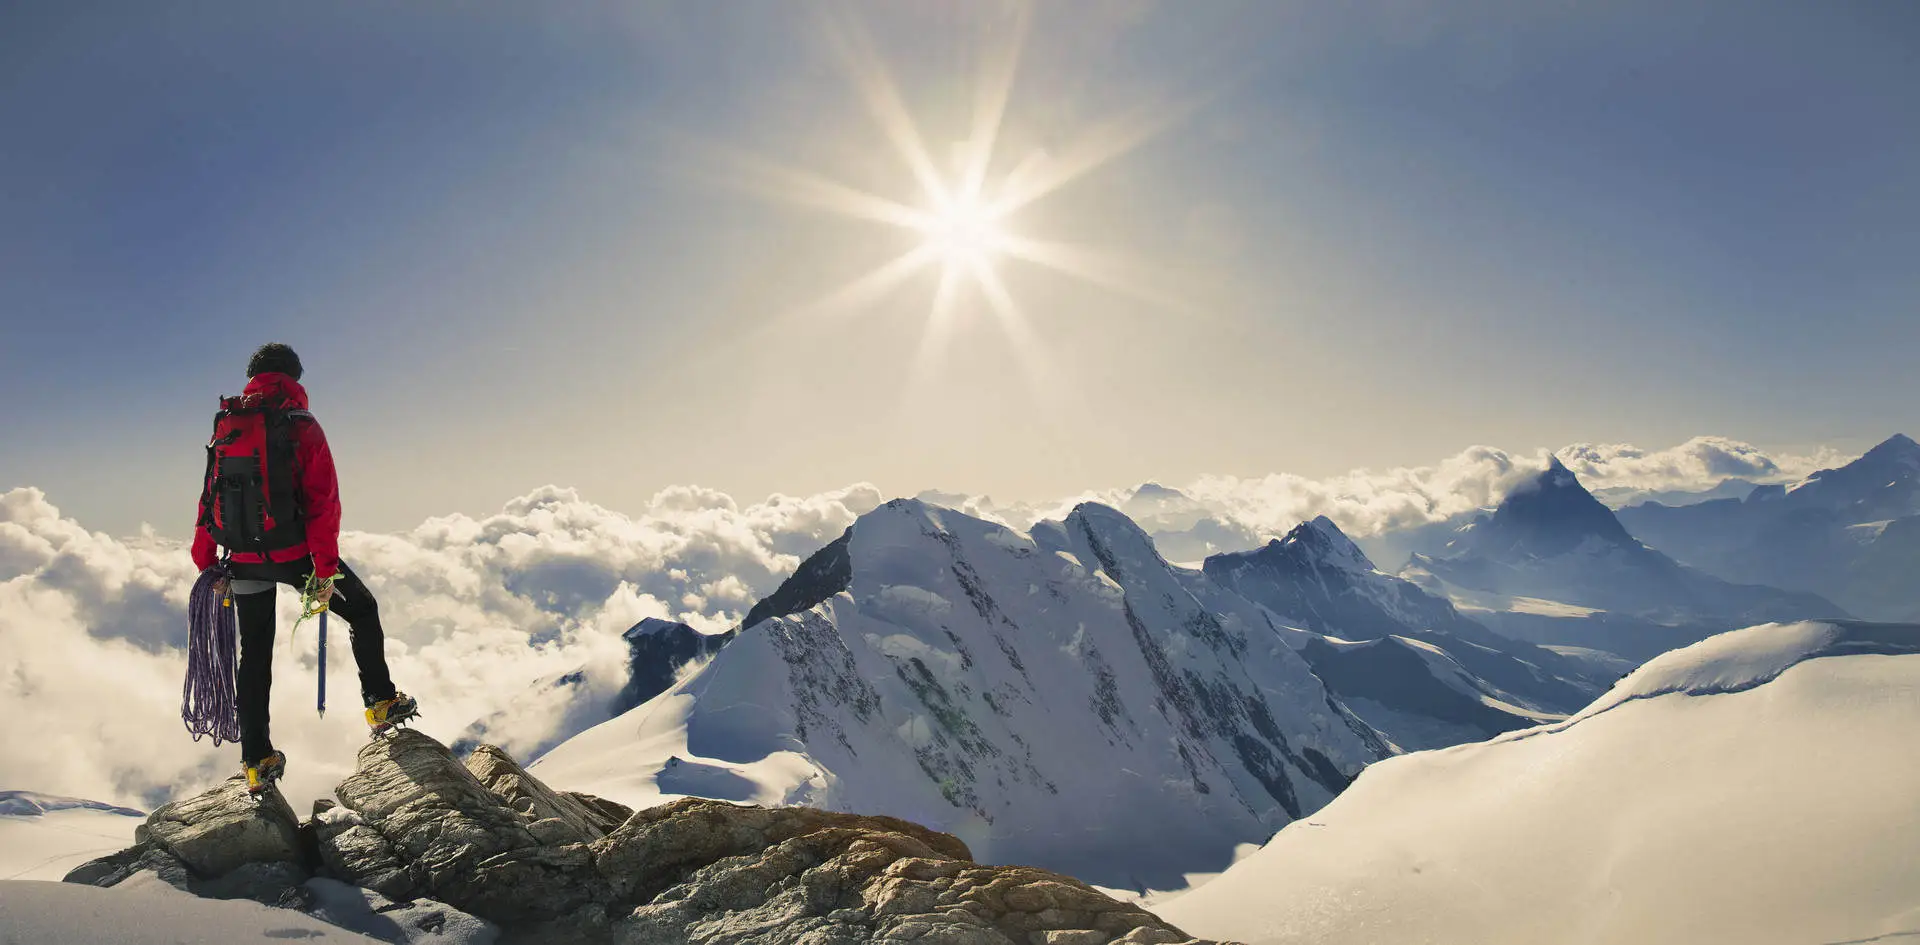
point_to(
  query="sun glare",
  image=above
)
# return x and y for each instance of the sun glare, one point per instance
(963, 215)
(964, 231)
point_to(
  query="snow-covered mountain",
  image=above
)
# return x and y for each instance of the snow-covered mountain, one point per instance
(34, 804)
(1065, 698)
(1756, 788)
(1435, 678)
(1551, 558)
(1851, 533)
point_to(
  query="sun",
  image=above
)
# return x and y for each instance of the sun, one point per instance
(964, 231)
(962, 214)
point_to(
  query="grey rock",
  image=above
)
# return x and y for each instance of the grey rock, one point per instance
(216, 832)
(524, 793)
(1069, 937)
(656, 847)
(1145, 936)
(352, 851)
(275, 883)
(556, 832)
(460, 843)
(117, 868)
(793, 876)
(425, 850)
(607, 815)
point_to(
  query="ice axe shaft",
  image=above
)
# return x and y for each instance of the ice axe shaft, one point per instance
(323, 663)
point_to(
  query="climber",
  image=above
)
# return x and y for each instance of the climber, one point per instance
(270, 499)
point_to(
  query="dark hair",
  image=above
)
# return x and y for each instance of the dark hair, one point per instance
(274, 357)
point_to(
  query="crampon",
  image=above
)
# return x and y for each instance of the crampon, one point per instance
(263, 773)
(383, 715)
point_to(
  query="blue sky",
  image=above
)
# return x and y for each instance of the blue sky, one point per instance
(1374, 234)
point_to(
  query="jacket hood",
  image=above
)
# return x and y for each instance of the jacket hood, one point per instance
(274, 386)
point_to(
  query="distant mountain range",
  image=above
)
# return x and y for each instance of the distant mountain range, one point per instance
(1425, 675)
(1554, 565)
(1028, 691)
(1851, 534)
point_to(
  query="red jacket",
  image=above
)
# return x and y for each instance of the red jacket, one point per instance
(318, 486)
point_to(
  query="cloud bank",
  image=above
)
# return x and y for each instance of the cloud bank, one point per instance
(477, 609)
(93, 629)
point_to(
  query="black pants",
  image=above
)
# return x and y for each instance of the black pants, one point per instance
(351, 602)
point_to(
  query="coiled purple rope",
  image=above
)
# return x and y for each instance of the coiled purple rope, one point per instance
(207, 704)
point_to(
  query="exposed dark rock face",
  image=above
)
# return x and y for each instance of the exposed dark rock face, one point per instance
(657, 651)
(827, 573)
(436, 839)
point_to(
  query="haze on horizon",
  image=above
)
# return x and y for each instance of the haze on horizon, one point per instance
(587, 246)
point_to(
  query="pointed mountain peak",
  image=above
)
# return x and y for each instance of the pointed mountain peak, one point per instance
(1545, 516)
(1558, 476)
(1111, 526)
(1895, 447)
(1323, 541)
(654, 627)
(1895, 461)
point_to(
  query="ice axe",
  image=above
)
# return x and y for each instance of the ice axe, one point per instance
(323, 664)
(312, 606)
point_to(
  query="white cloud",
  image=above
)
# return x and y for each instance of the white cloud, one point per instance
(1699, 463)
(1229, 513)
(92, 627)
(1368, 502)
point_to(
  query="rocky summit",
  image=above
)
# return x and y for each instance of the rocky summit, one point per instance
(432, 848)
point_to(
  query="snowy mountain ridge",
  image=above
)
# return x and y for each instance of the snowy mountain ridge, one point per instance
(1026, 692)
(34, 804)
(1317, 579)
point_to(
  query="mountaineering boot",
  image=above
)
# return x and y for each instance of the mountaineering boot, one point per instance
(265, 771)
(383, 715)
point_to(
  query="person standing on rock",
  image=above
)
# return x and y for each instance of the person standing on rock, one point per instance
(271, 500)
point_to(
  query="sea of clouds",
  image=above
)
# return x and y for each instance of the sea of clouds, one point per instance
(92, 627)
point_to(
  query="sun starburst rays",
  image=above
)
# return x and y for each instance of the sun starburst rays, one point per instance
(964, 215)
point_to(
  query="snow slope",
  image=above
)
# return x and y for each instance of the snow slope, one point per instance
(1065, 698)
(43, 836)
(1758, 787)
(48, 913)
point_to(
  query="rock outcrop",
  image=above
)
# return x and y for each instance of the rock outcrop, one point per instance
(444, 850)
(219, 831)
